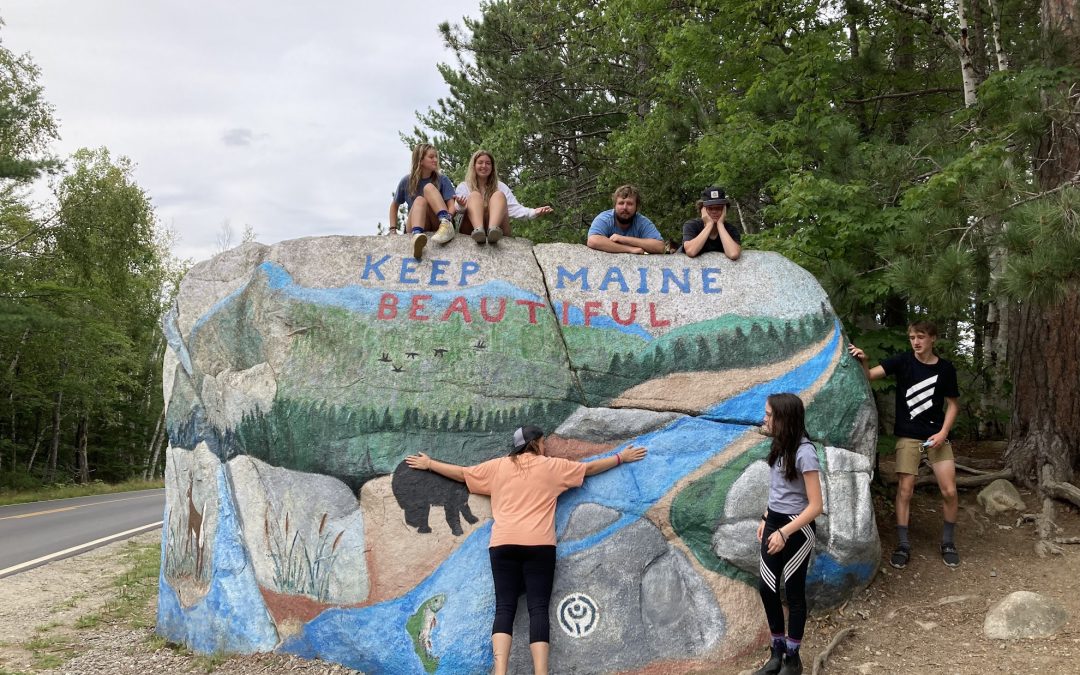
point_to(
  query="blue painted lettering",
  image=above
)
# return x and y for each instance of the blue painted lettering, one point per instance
(468, 268)
(370, 267)
(709, 277)
(562, 275)
(614, 275)
(438, 270)
(670, 278)
(408, 268)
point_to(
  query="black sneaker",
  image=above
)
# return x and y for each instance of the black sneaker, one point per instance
(949, 556)
(900, 557)
(792, 664)
(775, 662)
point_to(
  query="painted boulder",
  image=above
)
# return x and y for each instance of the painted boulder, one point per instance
(300, 375)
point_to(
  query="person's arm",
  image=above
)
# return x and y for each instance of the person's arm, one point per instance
(602, 243)
(514, 209)
(778, 539)
(952, 409)
(647, 245)
(732, 249)
(425, 463)
(692, 246)
(875, 373)
(629, 454)
(393, 217)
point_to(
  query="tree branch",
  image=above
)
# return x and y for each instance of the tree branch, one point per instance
(903, 94)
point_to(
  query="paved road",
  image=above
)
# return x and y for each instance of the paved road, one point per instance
(33, 534)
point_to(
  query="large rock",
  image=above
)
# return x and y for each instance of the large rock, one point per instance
(300, 375)
(1000, 496)
(1024, 614)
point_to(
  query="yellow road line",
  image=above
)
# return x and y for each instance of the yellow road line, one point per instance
(71, 508)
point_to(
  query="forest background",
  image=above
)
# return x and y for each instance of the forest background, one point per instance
(921, 160)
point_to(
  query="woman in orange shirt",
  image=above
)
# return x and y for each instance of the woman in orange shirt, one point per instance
(524, 487)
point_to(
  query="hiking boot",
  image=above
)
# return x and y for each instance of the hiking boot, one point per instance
(949, 556)
(775, 662)
(792, 664)
(419, 241)
(479, 236)
(446, 232)
(900, 557)
(494, 235)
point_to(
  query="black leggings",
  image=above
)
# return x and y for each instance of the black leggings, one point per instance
(791, 563)
(532, 569)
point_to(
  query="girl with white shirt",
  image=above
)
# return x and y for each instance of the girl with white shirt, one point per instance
(489, 203)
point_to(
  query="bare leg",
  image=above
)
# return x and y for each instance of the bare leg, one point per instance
(474, 210)
(434, 199)
(540, 657)
(418, 214)
(500, 647)
(945, 472)
(497, 214)
(905, 487)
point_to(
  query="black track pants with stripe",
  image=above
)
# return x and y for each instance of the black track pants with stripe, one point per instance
(788, 566)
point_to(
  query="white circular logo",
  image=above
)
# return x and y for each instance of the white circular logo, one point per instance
(578, 615)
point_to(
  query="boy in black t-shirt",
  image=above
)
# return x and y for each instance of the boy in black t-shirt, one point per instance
(924, 384)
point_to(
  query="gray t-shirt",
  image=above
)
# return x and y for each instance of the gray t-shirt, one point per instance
(790, 497)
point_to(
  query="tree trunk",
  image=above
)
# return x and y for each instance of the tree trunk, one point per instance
(151, 450)
(1044, 354)
(37, 443)
(54, 447)
(80, 439)
(157, 453)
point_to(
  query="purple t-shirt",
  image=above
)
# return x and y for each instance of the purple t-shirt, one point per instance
(789, 497)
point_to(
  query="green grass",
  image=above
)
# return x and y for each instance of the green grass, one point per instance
(66, 491)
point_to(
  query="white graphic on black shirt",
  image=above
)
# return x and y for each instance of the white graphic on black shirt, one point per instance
(920, 396)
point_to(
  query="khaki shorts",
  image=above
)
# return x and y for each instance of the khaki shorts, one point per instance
(909, 451)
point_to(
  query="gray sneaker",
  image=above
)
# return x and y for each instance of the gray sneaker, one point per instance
(494, 235)
(419, 241)
(446, 232)
(479, 236)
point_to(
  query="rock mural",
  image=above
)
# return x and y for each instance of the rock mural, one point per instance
(300, 375)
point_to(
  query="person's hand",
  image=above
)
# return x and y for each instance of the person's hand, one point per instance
(543, 210)
(705, 217)
(616, 237)
(937, 440)
(856, 353)
(460, 200)
(776, 542)
(760, 529)
(419, 461)
(632, 453)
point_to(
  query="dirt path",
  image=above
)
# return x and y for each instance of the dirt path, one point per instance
(926, 618)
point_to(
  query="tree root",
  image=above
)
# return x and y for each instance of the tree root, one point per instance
(1063, 491)
(819, 662)
(1067, 540)
(962, 481)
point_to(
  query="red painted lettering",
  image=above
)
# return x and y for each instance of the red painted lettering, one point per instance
(496, 318)
(565, 313)
(387, 307)
(458, 305)
(592, 308)
(653, 321)
(531, 304)
(615, 314)
(416, 306)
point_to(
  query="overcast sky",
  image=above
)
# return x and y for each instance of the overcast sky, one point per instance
(282, 115)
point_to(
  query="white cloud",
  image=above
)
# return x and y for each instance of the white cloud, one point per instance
(282, 116)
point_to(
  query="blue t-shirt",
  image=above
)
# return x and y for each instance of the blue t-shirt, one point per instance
(789, 497)
(640, 228)
(446, 189)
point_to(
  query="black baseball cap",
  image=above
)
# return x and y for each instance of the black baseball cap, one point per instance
(713, 196)
(525, 435)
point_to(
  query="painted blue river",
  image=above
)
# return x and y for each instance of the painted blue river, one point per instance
(370, 638)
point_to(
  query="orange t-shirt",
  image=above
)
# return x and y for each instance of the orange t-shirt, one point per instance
(523, 495)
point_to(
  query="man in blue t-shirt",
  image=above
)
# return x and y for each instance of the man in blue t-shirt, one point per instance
(925, 383)
(624, 230)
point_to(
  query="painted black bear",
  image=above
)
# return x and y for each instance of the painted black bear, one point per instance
(417, 491)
